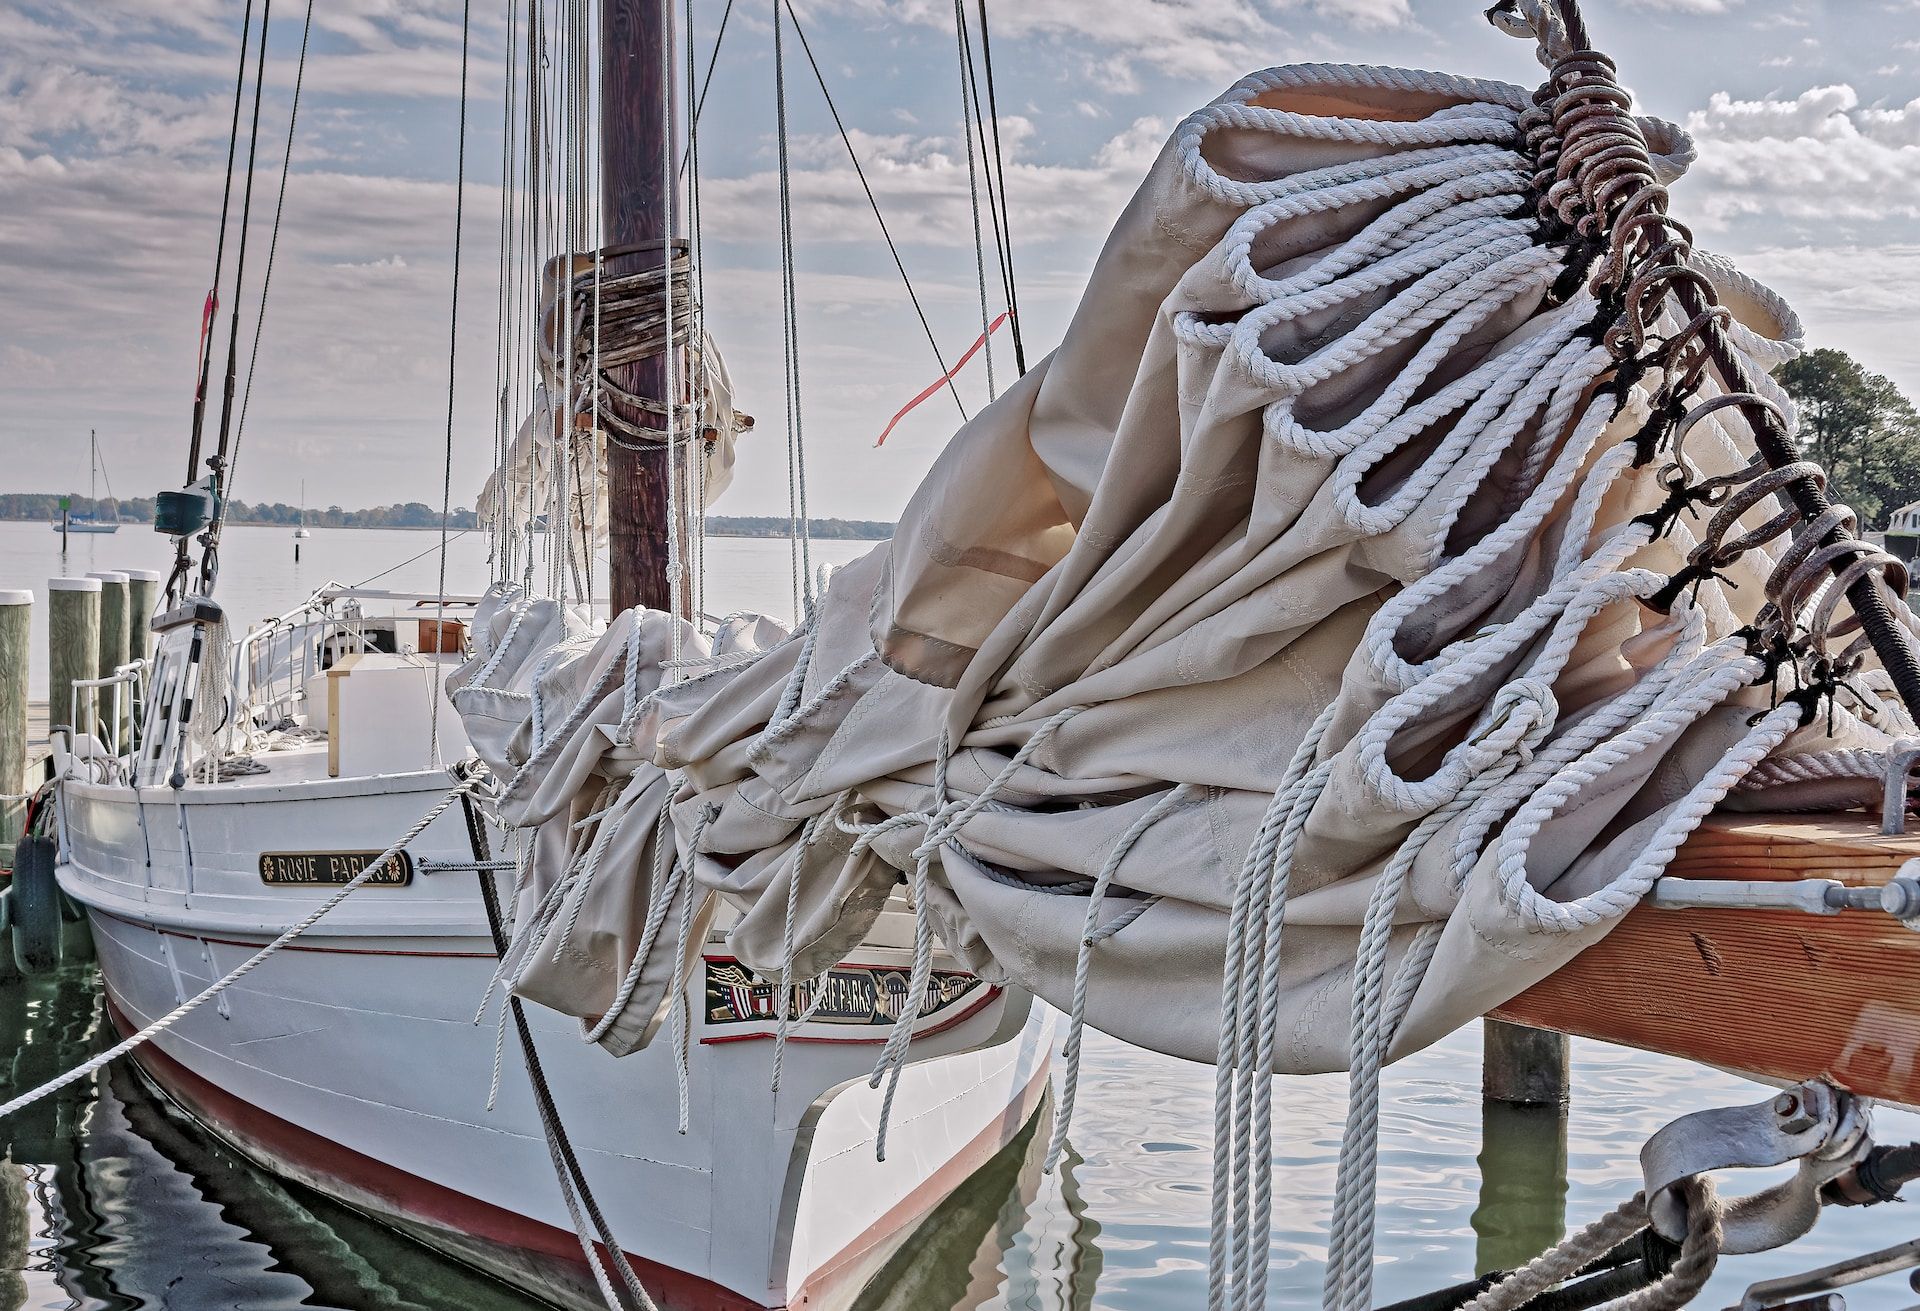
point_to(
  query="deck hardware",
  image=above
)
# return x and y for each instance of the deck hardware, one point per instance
(1813, 1123)
(1900, 895)
(460, 866)
(1813, 896)
(1778, 1294)
(1902, 756)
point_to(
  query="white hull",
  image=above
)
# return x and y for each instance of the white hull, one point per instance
(86, 528)
(351, 1062)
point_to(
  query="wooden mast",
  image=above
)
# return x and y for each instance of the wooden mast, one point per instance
(636, 132)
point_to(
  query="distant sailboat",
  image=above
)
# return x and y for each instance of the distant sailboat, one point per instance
(303, 530)
(91, 522)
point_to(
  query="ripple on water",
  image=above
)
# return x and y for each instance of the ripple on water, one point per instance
(126, 1206)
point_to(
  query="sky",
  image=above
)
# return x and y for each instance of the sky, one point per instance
(114, 120)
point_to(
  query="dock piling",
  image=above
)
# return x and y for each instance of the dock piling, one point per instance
(16, 615)
(113, 650)
(73, 644)
(1524, 1077)
(143, 598)
(1523, 1066)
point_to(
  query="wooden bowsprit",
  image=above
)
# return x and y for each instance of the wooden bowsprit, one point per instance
(1775, 994)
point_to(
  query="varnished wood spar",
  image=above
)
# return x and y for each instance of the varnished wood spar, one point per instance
(636, 123)
(1778, 994)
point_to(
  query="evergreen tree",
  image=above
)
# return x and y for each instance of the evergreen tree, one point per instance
(1860, 428)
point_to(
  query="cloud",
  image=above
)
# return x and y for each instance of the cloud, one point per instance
(1817, 156)
(1122, 37)
(922, 186)
(1688, 6)
(1857, 297)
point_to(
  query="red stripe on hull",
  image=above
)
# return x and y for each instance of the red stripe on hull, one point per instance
(515, 1248)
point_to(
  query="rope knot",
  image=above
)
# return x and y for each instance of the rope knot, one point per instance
(1522, 715)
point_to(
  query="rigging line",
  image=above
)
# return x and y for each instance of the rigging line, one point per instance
(219, 260)
(394, 568)
(994, 215)
(973, 191)
(696, 328)
(500, 545)
(273, 245)
(672, 357)
(874, 204)
(217, 462)
(796, 480)
(453, 342)
(1000, 165)
(182, 561)
(706, 83)
(596, 215)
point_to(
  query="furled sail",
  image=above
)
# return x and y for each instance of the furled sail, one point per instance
(1329, 640)
(553, 473)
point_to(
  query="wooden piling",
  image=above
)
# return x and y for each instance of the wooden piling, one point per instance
(113, 647)
(143, 598)
(1523, 1066)
(73, 644)
(16, 615)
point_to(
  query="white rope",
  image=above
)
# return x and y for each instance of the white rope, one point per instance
(942, 823)
(678, 1014)
(1259, 889)
(246, 967)
(1094, 933)
(1519, 721)
(783, 996)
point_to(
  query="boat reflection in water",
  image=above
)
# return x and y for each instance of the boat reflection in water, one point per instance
(114, 1200)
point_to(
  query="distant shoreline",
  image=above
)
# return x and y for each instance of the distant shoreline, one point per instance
(455, 532)
(413, 516)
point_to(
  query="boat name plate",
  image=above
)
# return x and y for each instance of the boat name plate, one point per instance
(853, 995)
(332, 869)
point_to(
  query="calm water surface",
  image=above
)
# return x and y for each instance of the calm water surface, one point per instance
(114, 1201)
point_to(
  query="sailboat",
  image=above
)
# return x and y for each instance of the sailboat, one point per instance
(90, 521)
(1403, 564)
(737, 1165)
(302, 530)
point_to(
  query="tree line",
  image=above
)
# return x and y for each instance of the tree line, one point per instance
(45, 507)
(1856, 424)
(1858, 427)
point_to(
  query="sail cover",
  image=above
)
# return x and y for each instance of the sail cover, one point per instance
(1319, 634)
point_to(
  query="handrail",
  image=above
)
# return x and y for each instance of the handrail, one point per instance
(317, 609)
(130, 673)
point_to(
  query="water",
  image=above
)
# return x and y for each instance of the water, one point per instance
(115, 1201)
(259, 577)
